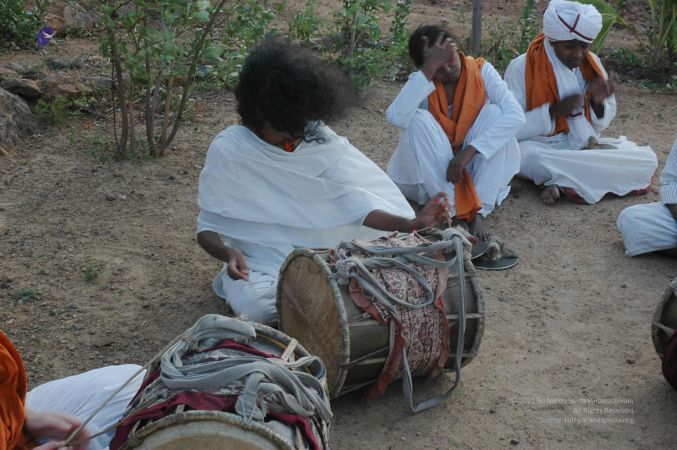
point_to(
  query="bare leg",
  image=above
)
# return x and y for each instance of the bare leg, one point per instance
(479, 229)
(550, 194)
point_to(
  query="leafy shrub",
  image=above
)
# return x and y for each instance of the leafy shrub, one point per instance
(19, 26)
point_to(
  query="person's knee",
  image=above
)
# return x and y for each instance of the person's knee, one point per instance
(629, 220)
(422, 123)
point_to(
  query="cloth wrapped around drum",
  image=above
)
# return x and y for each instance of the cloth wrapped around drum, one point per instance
(399, 306)
(229, 384)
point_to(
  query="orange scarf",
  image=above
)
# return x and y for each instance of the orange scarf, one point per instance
(468, 102)
(12, 396)
(541, 84)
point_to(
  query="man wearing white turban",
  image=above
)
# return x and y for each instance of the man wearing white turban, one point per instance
(569, 98)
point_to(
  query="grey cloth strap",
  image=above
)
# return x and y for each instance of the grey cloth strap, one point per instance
(348, 267)
(265, 383)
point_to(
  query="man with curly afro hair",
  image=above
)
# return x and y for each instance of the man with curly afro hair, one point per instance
(282, 179)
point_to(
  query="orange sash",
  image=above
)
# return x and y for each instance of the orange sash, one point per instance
(468, 102)
(12, 396)
(541, 84)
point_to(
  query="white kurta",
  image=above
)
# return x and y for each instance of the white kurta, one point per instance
(419, 164)
(266, 202)
(80, 395)
(651, 227)
(558, 160)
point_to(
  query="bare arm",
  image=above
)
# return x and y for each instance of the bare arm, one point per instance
(211, 242)
(434, 212)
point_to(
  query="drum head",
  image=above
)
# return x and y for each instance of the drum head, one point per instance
(310, 309)
(206, 430)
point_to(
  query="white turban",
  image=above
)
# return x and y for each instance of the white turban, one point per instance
(565, 21)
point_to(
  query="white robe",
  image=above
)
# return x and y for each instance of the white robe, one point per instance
(419, 164)
(79, 395)
(266, 202)
(651, 227)
(558, 160)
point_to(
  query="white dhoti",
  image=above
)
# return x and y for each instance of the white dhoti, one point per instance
(649, 227)
(80, 395)
(419, 164)
(591, 173)
(254, 299)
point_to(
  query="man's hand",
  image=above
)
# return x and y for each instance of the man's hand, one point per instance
(458, 163)
(566, 106)
(601, 89)
(434, 212)
(237, 265)
(436, 55)
(54, 425)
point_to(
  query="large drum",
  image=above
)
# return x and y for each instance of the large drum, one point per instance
(664, 321)
(317, 310)
(230, 384)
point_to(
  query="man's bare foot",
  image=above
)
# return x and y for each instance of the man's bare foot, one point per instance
(479, 229)
(550, 194)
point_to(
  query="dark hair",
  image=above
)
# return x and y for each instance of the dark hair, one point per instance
(290, 88)
(432, 32)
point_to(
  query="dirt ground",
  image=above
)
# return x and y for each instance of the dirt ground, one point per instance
(566, 358)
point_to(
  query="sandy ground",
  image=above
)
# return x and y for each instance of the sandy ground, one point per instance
(566, 359)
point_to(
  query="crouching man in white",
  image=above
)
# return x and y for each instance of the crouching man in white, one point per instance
(568, 98)
(652, 227)
(284, 180)
(458, 121)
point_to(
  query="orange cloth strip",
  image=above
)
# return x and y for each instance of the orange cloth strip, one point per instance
(541, 84)
(468, 102)
(12, 396)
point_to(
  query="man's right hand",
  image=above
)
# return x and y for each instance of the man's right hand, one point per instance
(565, 107)
(436, 55)
(237, 265)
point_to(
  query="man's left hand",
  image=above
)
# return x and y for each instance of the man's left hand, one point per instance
(458, 164)
(601, 89)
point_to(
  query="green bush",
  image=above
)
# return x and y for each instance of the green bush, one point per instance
(19, 26)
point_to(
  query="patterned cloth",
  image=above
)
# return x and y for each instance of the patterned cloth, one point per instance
(422, 333)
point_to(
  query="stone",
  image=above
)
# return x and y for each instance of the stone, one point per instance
(16, 121)
(98, 84)
(61, 85)
(28, 89)
(76, 16)
(3, 229)
(64, 63)
(7, 73)
(55, 22)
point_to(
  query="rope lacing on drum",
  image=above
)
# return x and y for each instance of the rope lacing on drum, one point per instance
(349, 266)
(266, 383)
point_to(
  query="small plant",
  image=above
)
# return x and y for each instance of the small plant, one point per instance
(248, 22)
(90, 272)
(56, 111)
(27, 295)
(103, 150)
(19, 26)
(306, 25)
(155, 47)
(365, 51)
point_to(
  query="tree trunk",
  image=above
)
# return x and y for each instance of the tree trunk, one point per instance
(476, 36)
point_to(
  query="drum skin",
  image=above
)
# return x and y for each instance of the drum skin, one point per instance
(206, 430)
(665, 318)
(317, 311)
